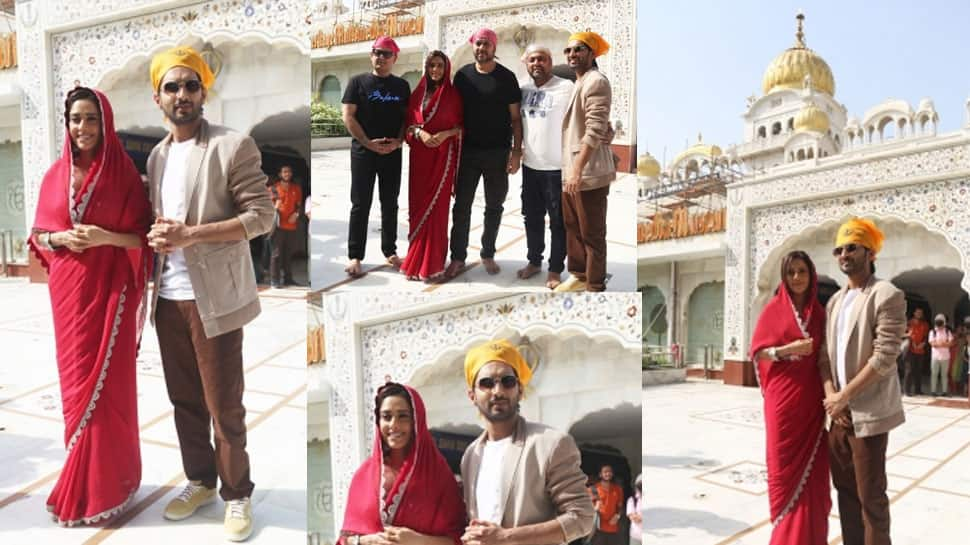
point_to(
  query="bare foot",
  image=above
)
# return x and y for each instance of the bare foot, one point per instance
(353, 269)
(413, 277)
(394, 261)
(435, 278)
(528, 271)
(553, 279)
(491, 267)
(454, 269)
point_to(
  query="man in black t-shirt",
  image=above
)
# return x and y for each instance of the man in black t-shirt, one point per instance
(374, 108)
(491, 97)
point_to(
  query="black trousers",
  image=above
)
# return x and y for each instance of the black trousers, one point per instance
(541, 195)
(363, 170)
(284, 243)
(491, 164)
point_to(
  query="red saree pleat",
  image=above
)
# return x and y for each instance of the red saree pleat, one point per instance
(95, 298)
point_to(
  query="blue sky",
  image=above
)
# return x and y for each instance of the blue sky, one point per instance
(698, 61)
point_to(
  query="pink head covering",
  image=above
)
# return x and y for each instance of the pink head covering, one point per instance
(484, 33)
(386, 42)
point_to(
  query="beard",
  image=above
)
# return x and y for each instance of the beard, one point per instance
(484, 56)
(178, 117)
(511, 412)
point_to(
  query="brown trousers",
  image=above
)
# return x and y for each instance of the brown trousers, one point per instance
(204, 378)
(584, 215)
(859, 475)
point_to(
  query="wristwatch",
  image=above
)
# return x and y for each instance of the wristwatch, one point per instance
(45, 241)
(355, 540)
(773, 353)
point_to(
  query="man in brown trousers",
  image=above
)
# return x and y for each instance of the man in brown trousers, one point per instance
(866, 321)
(588, 167)
(209, 198)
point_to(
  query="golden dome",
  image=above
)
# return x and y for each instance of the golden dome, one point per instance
(810, 118)
(700, 148)
(789, 70)
(648, 167)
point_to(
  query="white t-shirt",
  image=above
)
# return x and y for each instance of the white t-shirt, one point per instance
(543, 109)
(488, 489)
(842, 327)
(175, 282)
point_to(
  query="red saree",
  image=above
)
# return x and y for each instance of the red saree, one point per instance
(797, 449)
(431, 176)
(95, 298)
(424, 497)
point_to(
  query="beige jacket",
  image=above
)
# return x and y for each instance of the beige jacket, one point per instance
(541, 480)
(876, 324)
(223, 180)
(587, 121)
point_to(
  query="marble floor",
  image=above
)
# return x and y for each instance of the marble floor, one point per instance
(705, 481)
(328, 245)
(31, 430)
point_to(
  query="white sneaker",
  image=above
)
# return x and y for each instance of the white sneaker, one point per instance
(192, 497)
(239, 519)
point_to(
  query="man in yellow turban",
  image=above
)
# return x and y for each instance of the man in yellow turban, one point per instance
(209, 193)
(866, 324)
(588, 167)
(523, 482)
(594, 41)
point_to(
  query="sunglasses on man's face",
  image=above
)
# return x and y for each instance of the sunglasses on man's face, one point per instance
(191, 86)
(508, 382)
(577, 48)
(382, 53)
(847, 249)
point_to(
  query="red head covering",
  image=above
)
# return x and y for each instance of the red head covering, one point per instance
(426, 493)
(778, 323)
(112, 196)
(484, 33)
(386, 42)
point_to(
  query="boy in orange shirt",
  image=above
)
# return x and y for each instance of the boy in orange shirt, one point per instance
(608, 501)
(288, 199)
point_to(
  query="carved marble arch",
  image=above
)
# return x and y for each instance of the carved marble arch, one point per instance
(946, 252)
(106, 73)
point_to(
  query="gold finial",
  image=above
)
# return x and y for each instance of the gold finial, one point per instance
(700, 137)
(800, 33)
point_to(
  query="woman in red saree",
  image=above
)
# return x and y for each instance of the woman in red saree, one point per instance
(405, 493)
(434, 136)
(786, 345)
(89, 233)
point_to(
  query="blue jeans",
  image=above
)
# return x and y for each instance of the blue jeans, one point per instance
(541, 195)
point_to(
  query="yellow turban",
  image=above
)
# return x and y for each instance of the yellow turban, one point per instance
(595, 42)
(180, 56)
(860, 231)
(500, 350)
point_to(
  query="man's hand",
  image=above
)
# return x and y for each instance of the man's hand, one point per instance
(842, 419)
(168, 235)
(835, 403)
(515, 159)
(571, 185)
(381, 146)
(481, 532)
(293, 217)
(615, 519)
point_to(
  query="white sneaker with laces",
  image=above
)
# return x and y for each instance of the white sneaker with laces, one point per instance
(239, 519)
(192, 497)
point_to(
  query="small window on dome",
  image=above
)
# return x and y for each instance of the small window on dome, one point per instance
(776, 128)
(761, 132)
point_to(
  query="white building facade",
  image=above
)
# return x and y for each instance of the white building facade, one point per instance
(805, 166)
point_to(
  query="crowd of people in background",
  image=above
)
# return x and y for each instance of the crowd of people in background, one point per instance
(939, 347)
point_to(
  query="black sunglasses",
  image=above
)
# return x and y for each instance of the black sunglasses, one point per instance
(191, 86)
(847, 249)
(382, 53)
(578, 49)
(508, 382)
